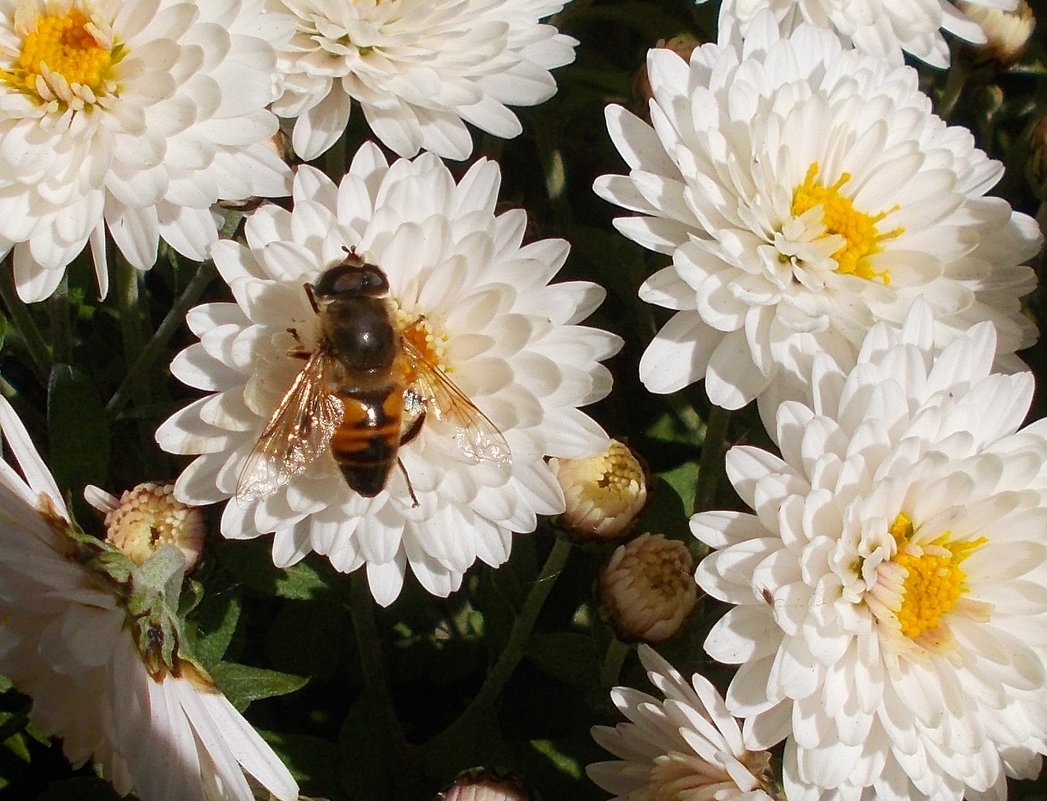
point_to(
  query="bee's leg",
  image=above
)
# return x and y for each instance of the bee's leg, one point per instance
(301, 352)
(312, 300)
(406, 436)
(407, 478)
(412, 430)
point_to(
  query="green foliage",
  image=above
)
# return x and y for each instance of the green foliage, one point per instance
(243, 684)
(78, 429)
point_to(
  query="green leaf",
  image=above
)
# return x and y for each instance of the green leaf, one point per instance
(306, 581)
(672, 498)
(17, 745)
(243, 684)
(251, 563)
(78, 428)
(79, 788)
(214, 624)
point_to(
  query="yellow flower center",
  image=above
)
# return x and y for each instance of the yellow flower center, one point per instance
(418, 332)
(934, 580)
(841, 218)
(66, 57)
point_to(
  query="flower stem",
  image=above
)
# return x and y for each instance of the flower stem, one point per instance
(515, 645)
(710, 466)
(152, 350)
(335, 159)
(955, 82)
(61, 328)
(369, 646)
(613, 660)
(128, 301)
(39, 352)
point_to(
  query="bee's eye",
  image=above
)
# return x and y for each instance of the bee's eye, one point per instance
(352, 278)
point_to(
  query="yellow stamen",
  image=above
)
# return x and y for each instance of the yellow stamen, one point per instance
(68, 46)
(418, 332)
(841, 218)
(934, 580)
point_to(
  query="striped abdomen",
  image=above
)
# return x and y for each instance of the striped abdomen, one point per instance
(366, 443)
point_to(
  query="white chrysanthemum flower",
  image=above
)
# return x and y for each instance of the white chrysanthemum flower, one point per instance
(133, 117)
(884, 28)
(685, 746)
(66, 639)
(476, 302)
(805, 191)
(420, 70)
(889, 587)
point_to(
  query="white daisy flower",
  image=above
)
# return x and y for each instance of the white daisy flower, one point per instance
(804, 192)
(684, 746)
(465, 295)
(420, 70)
(102, 677)
(889, 617)
(133, 117)
(884, 28)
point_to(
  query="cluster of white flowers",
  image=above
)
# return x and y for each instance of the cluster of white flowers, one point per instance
(835, 257)
(123, 122)
(133, 117)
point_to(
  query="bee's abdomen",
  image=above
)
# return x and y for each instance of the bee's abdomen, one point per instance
(366, 443)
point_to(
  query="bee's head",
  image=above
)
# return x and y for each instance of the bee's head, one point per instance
(352, 277)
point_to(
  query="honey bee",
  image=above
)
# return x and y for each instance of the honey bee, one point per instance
(363, 392)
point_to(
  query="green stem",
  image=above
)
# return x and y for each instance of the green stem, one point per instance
(515, 646)
(128, 301)
(157, 344)
(613, 660)
(710, 466)
(369, 646)
(685, 413)
(35, 344)
(335, 160)
(955, 82)
(61, 327)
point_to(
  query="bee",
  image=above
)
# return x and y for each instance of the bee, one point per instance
(364, 391)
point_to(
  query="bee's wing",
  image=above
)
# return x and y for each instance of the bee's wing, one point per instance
(298, 432)
(477, 437)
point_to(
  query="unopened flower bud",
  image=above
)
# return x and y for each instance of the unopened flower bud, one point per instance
(481, 784)
(1036, 165)
(647, 588)
(604, 494)
(146, 518)
(683, 45)
(1007, 32)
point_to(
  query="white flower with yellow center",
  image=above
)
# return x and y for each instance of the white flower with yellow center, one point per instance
(885, 28)
(685, 746)
(889, 617)
(470, 297)
(92, 640)
(132, 117)
(804, 192)
(420, 70)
